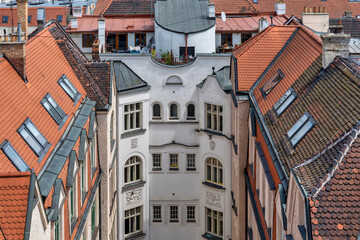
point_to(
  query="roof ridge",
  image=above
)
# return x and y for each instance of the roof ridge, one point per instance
(104, 10)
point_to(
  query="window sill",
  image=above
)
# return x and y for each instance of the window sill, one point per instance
(174, 221)
(156, 169)
(191, 169)
(157, 221)
(130, 186)
(133, 133)
(174, 169)
(191, 221)
(211, 237)
(138, 235)
(213, 185)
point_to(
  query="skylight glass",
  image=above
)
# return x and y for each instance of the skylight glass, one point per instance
(34, 138)
(54, 109)
(69, 88)
(300, 128)
(14, 156)
(272, 82)
(284, 102)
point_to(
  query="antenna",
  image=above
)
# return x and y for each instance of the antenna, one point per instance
(223, 16)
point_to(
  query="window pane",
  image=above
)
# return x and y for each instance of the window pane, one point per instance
(173, 110)
(31, 141)
(191, 110)
(15, 158)
(35, 132)
(297, 125)
(156, 110)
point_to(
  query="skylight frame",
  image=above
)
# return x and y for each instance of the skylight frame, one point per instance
(14, 156)
(300, 129)
(272, 82)
(285, 101)
(34, 138)
(55, 111)
(69, 88)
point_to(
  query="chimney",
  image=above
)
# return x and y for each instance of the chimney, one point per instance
(316, 18)
(73, 22)
(334, 44)
(101, 33)
(41, 18)
(22, 16)
(280, 8)
(263, 23)
(95, 50)
(211, 8)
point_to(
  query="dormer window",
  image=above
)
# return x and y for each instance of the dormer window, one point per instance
(272, 82)
(300, 128)
(284, 102)
(54, 110)
(14, 156)
(69, 88)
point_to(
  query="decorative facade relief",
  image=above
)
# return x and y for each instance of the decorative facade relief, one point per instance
(212, 145)
(134, 143)
(213, 199)
(133, 196)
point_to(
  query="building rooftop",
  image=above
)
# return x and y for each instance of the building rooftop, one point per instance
(234, 7)
(126, 7)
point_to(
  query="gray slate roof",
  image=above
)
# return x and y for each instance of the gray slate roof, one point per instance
(127, 80)
(223, 78)
(183, 16)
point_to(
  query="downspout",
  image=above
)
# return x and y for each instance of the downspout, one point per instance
(186, 43)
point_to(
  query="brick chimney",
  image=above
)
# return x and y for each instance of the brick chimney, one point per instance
(22, 16)
(95, 50)
(280, 7)
(334, 44)
(263, 23)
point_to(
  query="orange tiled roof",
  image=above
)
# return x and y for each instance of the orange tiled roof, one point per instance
(14, 193)
(234, 6)
(100, 6)
(335, 8)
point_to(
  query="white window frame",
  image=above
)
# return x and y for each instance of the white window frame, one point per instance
(192, 213)
(190, 118)
(174, 213)
(60, 221)
(132, 216)
(153, 117)
(157, 213)
(154, 158)
(171, 117)
(174, 162)
(214, 117)
(216, 218)
(74, 194)
(215, 166)
(191, 158)
(131, 168)
(132, 112)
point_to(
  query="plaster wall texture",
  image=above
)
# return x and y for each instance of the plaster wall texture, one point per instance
(316, 21)
(38, 230)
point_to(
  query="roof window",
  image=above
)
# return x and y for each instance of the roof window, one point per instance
(284, 102)
(59, 18)
(54, 110)
(5, 19)
(14, 156)
(69, 88)
(272, 82)
(34, 138)
(300, 128)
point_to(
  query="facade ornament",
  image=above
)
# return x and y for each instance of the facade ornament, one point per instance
(213, 199)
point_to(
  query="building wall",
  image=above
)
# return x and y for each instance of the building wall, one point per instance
(39, 230)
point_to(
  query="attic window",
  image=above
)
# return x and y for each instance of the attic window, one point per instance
(5, 19)
(272, 82)
(284, 102)
(300, 128)
(34, 138)
(174, 80)
(59, 18)
(54, 110)
(69, 88)
(14, 156)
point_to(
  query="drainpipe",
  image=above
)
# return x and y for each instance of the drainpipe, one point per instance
(186, 56)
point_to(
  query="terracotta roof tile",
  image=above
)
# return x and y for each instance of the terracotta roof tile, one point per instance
(14, 192)
(128, 7)
(234, 6)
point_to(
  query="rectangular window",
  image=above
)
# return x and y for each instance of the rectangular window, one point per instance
(34, 138)
(214, 222)
(190, 166)
(272, 82)
(14, 156)
(190, 52)
(300, 128)
(5, 19)
(174, 213)
(88, 40)
(190, 210)
(133, 221)
(92, 157)
(69, 88)
(140, 39)
(156, 162)
(93, 218)
(226, 38)
(284, 102)
(132, 116)
(174, 162)
(29, 18)
(214, 117)
(54, 109)
(245, 37)
(156, 213)
(59, 18)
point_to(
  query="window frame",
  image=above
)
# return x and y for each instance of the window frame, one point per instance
(272, 83)
(137, 222)
(174, 209)
(244, 37)
(59, 18)
(19, 162)
(137, 116)
(171, 116)
(218, 113)
(193, 212)
(218, 168)
(55, 111)
(44, 147)
(300, 127)
(219, 218)
(188, 160)
(69, 88)
(5, 19)
(133, 169)
(188, 117)
(285, 101)
(88, 40)
(153, 111)
(173, 162)
(157, 214)
(226, 40)
(29, 18)
(140, 36)
(157, 168)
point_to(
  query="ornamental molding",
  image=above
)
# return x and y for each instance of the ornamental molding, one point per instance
(213, 199)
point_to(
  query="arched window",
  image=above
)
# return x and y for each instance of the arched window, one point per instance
(132, 170)
(214, 171)
(174, 114)
(190, 112)
(156, 111)
(174, 80)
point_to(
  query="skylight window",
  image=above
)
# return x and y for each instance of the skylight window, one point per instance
(54, 110)
(300, 128)
(69, 88)
(272, 82)
(34, 138)
(284, 102)
(14, 156)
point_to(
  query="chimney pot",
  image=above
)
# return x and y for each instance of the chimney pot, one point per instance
(280, 8)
